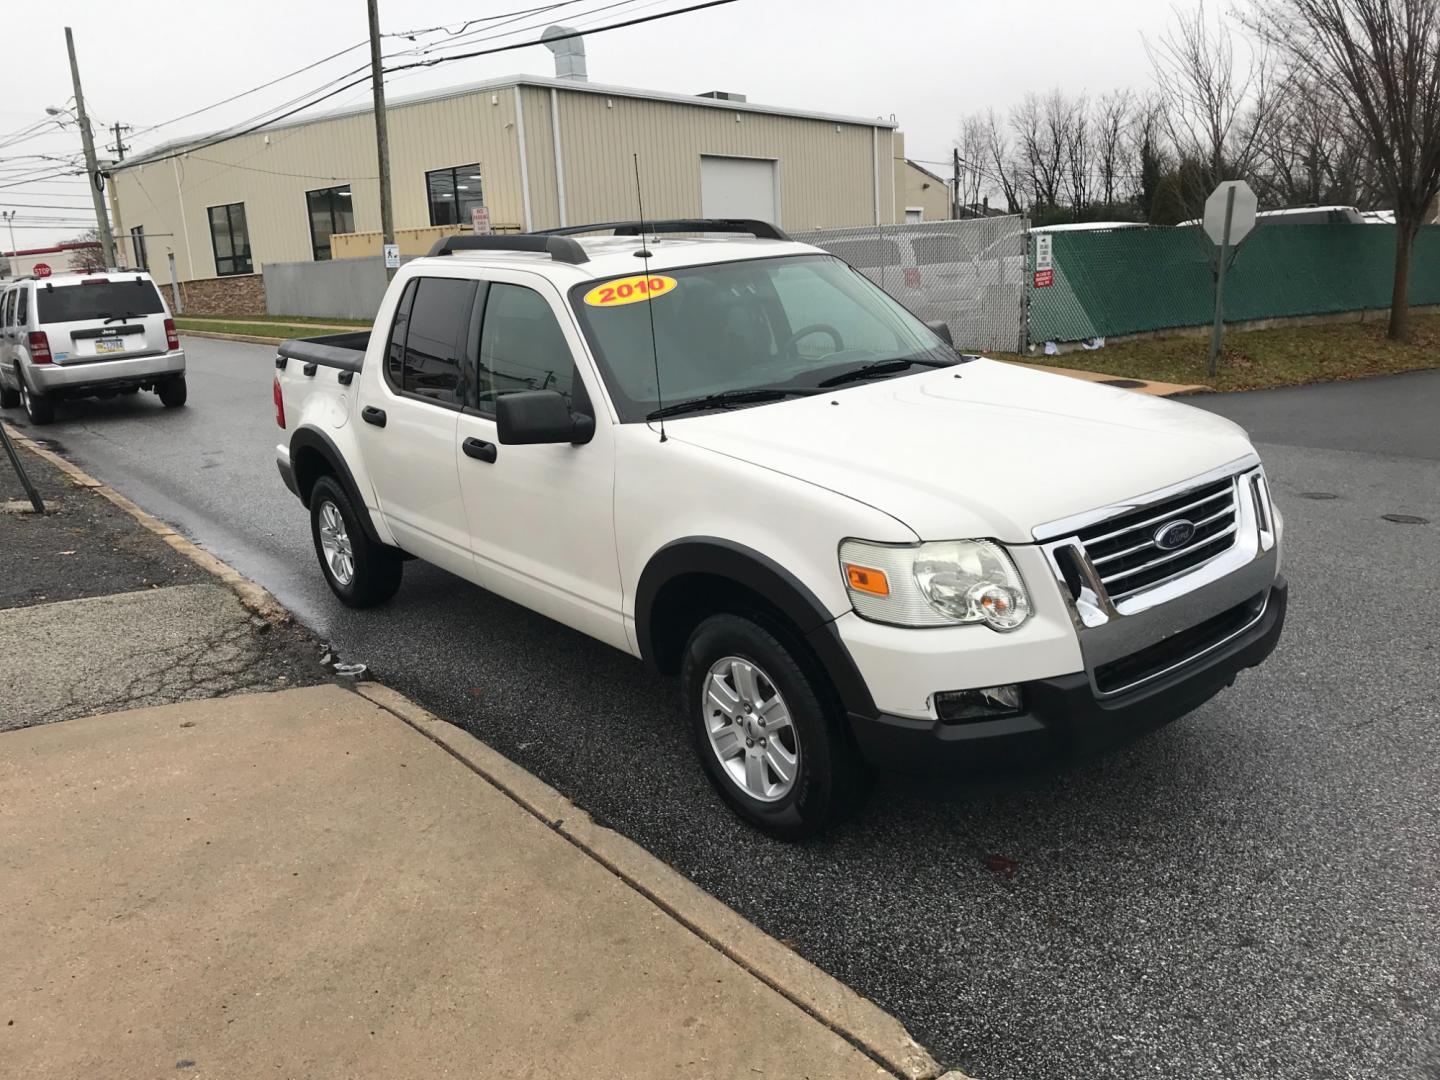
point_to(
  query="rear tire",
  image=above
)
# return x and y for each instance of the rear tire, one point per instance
(359, 571)
(172, 392)
(757, 713)
(9, 399)
(40, 409)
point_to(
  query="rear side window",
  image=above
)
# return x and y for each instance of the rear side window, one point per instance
(22, 311)
(428, 339)
(521, 346)
(98, 300)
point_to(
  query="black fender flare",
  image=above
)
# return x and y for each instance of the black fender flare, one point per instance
(764, 576)
(308, 438)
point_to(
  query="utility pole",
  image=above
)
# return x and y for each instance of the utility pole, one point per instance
(119, 146)
(9, 216)
(92, 167)
(382, 137)
(955, 186)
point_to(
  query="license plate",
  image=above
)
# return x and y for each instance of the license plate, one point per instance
(109, 345)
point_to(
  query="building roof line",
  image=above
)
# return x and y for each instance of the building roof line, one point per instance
(508, 82)
(916, 165)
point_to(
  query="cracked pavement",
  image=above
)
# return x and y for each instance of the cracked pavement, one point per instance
(99, 615)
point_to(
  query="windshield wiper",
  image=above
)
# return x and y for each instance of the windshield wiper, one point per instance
(122, 318)
(724, 400)
(881, 367)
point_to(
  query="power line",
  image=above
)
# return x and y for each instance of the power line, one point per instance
(226, 137)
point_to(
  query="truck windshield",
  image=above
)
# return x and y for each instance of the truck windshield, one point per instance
(798, 323)
(98, 300)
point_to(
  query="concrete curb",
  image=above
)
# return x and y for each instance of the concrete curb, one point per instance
(251, 595)
(856, 1019)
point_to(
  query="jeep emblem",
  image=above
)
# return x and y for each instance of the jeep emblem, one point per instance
(1174, 534)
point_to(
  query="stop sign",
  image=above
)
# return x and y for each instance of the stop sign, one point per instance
(1242, 212)
(42, 269)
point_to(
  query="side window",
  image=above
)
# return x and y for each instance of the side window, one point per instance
(7, 310)
(395, 351)
(22, 309)
(521, 347)
(439, 316)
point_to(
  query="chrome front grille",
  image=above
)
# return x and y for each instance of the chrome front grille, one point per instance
(1153, 544)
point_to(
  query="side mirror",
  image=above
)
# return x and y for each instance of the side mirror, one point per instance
(942, 331)
(527, 417)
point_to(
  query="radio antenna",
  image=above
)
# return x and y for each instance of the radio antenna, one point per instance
(644, 254)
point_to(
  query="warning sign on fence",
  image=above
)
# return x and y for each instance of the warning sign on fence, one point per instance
(1044, 278)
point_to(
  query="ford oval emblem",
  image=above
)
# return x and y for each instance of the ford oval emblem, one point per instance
(1174, 534)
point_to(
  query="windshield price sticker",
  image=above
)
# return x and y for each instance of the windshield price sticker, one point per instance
(629, 290)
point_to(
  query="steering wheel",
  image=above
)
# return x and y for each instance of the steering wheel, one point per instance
(816, 328)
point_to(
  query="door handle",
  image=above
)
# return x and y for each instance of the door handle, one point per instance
(479, 450)
(371, 415)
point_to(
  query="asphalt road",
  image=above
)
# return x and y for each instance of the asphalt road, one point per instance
(1252, 892)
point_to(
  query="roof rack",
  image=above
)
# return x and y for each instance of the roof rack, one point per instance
(557, 247)
(762, 230)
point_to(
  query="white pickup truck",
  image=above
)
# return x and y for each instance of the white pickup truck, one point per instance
(738, 459)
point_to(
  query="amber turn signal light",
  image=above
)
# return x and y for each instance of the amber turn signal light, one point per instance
(864, 579)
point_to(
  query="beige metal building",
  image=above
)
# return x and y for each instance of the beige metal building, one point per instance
(920, 194)
(535, 152)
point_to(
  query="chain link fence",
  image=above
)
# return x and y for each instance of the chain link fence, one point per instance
(1110, 283)
(969, 274)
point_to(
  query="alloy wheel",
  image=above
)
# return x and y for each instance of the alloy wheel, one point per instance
(750, 729)
(335, 543)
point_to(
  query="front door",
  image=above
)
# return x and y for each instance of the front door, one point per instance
(541, 517)
(407, 419)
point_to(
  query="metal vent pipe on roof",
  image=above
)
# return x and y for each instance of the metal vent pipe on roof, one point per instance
(569, 52)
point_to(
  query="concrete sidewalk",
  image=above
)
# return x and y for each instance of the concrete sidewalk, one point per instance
(304, 884)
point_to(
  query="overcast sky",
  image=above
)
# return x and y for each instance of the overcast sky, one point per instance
(928, 62)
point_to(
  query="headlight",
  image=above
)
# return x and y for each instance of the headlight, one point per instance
(936, 584)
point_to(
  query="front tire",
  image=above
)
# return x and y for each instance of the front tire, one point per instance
(359, 571)
(173, 392)
(769, 736)
(40, 409)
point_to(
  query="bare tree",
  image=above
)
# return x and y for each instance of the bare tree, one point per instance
(1006, 172)
(973, 146)
(1381, 60)
(1112, 160)
(1039, 127)
(1217, 103)
(1311, 154)
(1074, 129)
(91, 257)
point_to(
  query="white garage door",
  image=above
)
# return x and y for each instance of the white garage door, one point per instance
(732, 187)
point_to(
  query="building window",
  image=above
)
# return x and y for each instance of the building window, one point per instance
(137, 244)
(330, 212)
(915, 213)
(454, 193)
(230, 239)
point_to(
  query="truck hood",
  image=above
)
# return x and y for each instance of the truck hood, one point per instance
(981, 449)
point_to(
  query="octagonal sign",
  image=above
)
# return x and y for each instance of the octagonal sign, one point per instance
(1242, 218)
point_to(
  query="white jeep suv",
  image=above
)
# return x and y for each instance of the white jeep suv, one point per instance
(86, 334)
(743, 462)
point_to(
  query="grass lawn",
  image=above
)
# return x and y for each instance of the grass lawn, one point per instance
(284, 320)
(277, 330)
(1256, 359)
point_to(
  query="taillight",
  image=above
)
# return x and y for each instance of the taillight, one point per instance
(39, 347)
(279, 404)
(912, 277)
(172, 339)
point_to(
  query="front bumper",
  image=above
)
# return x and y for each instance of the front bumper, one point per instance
(96, 376)
(1065, 713)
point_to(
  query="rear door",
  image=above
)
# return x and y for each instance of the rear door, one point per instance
(91, 319)
(406, 426)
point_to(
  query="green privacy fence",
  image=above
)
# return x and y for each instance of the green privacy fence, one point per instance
(1128, 281)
